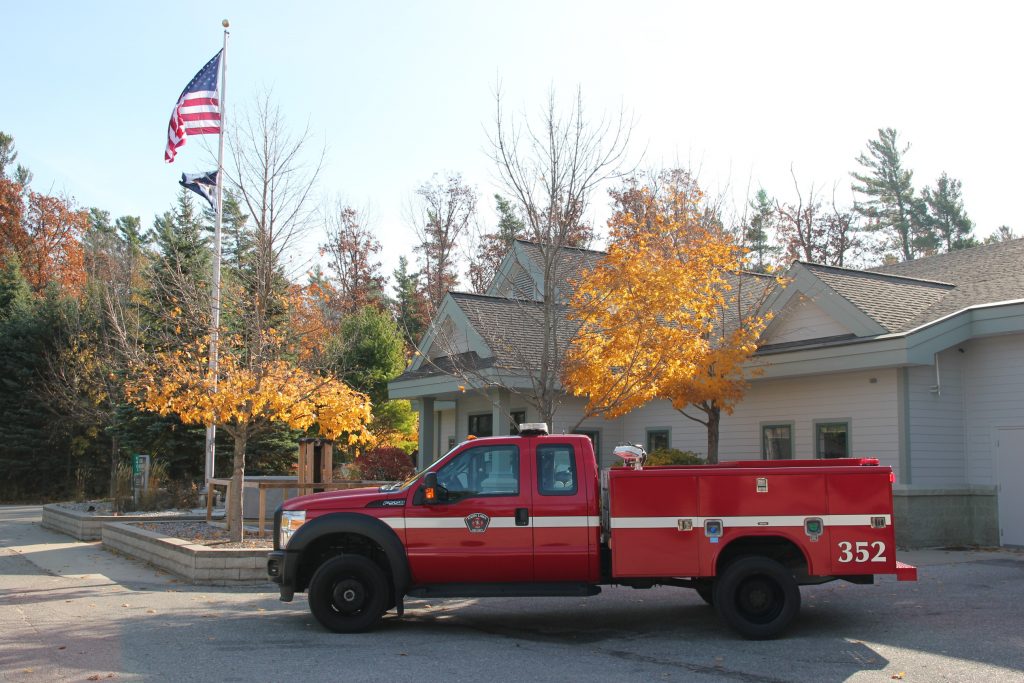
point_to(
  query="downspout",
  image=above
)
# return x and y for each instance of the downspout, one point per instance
(937, 388)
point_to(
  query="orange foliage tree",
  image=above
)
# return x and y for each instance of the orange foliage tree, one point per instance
(244, 399)
(667, 314)
(46, 233)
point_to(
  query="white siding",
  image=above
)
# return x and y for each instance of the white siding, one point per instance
(611, 431)
(445, 430)
(936, 422)
(802, 319)
(870, 407)
(994, 397)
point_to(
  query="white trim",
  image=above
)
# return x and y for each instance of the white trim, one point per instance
(568, 522)
(745, 522)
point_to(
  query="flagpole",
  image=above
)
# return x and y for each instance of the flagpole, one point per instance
(211, 429)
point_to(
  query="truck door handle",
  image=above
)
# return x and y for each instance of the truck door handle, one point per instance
(522, 516)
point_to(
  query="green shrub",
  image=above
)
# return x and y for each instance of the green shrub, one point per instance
(384, 464)
(673, 456)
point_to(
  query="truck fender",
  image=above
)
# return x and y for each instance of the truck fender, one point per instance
(362, 525)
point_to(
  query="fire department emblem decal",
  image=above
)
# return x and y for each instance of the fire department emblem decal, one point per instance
(477, 522)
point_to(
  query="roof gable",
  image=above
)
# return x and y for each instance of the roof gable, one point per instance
(800, 320)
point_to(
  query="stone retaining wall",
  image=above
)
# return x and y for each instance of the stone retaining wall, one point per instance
(197, 564)
(86, 526)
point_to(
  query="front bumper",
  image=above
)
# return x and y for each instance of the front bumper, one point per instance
(282, 568)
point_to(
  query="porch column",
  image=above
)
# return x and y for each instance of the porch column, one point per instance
(500, 408)
(427, 438)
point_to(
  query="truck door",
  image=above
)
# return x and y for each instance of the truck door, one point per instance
(564, 533)
(479, 530)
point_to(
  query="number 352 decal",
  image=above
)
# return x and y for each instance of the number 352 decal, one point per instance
(862, 551)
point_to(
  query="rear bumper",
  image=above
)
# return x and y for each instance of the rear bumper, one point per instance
(905, 572)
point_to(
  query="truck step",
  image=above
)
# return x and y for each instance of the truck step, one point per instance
(505, 590)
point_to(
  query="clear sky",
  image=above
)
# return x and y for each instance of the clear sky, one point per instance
(738, 91)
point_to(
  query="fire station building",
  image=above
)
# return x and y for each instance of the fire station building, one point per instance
(920, 364)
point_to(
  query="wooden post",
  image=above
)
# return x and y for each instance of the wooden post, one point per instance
(326, 459)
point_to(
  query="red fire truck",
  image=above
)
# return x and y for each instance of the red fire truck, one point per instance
(532, 515)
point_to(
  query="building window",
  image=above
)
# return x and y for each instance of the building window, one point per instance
(658, 438)
(832, 439)
(595, 439)
(777, 441)
(518, 418)
(481, 425)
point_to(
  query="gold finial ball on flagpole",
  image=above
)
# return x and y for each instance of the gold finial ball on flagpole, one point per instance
(224, 23)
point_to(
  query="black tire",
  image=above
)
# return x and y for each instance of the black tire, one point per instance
(757, 597)
(706, 591)
(348, 594)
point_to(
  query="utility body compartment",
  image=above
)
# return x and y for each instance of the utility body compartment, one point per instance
(678, 520)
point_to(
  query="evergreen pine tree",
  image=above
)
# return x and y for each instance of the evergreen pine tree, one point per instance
(946, 215)
(410, 305)
(757, 232)
(891, 205)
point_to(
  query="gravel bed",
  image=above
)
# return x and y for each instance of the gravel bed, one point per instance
(209, 535)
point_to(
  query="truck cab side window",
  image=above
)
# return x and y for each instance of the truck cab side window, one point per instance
(481, 471)
(556, 470)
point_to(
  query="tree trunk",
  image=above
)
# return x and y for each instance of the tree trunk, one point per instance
(714, 419)
(237, 479)
(113, 466)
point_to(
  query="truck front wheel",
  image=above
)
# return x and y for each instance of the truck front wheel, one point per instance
(757, 597)
(348, 594)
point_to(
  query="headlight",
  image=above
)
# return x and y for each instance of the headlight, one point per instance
(291, 520)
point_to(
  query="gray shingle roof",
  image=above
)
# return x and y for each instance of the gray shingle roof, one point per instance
(982, 275)
(513, 329)
(571, 261)
(893, 302)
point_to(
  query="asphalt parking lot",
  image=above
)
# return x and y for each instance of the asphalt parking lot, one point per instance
(71, 611)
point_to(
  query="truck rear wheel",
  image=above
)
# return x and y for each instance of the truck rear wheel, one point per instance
(757, 597)
(348, 594)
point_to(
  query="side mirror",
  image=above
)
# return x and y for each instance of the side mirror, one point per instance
(430, 488)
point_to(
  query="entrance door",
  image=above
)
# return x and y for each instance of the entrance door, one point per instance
(480, 528)
(1010, 482)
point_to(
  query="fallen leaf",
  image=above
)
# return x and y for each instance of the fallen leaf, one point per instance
(151, 611)
(63, 647)
(125, 604)
(94, 677)
(26, 671)
(899, 676)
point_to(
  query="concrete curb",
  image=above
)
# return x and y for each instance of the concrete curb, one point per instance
(197, 564)
(86, 526)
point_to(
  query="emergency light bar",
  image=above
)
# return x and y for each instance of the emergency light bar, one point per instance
(533, 429)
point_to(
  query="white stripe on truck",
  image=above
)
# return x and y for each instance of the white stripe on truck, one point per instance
(745, 522)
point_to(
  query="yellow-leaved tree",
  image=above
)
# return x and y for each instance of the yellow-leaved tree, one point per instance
(668, 313)
(247, 397)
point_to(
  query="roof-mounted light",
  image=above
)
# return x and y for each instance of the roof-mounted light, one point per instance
(533, 429)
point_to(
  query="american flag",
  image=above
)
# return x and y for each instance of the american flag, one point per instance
(198, 109)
